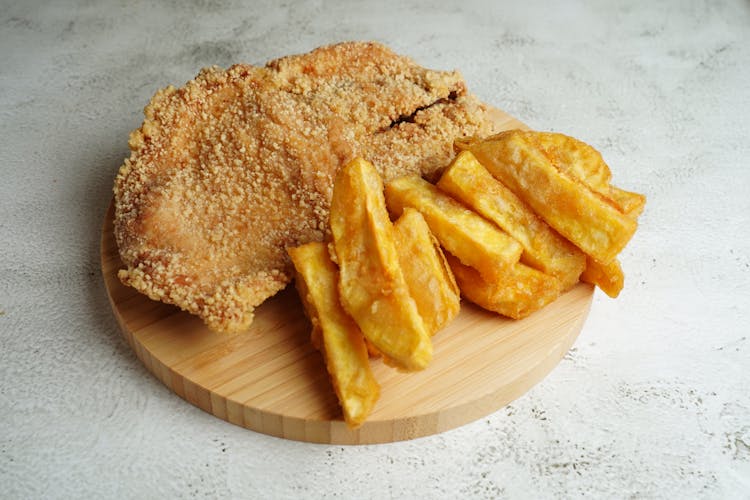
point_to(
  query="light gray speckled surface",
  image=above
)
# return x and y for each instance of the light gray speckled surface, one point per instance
(653, 400)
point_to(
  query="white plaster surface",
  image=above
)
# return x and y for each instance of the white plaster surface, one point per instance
(653, 401)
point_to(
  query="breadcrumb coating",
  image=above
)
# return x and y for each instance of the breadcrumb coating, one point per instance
(229, 170)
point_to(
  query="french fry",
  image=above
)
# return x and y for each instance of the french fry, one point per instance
(426, 271)
(468, 181)
(372, 285)
(338, 337)
(629, 203)
(608, 277)
(569, 206)
(522, 290)
(583, 162)
(474, 240)
(574, 158)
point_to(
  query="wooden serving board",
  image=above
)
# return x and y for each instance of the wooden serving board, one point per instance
(273, 381)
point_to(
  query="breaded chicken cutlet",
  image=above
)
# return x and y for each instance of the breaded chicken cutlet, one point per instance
(238, 164)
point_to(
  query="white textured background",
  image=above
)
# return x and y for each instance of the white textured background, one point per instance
(653, 400)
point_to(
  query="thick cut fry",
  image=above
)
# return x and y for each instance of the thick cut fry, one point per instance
(468, 181)
(522, 290)
(426, 271)
(569, 206)
(608, 277)
(372, 286)
(574, 158)
(629, 203)
(474, 240)
(583, 162)
(338, 337)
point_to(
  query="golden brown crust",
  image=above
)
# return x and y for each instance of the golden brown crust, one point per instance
(238, 164)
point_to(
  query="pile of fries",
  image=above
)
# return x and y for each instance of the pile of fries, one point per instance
(516, 220)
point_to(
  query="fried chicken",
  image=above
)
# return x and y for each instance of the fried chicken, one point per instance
(229, 170)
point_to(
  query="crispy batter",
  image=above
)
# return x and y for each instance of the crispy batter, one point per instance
(230, 169)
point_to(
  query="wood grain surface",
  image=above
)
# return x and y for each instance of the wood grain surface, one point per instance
(271, 380)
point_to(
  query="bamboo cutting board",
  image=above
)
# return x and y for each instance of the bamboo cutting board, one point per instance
(271, 380)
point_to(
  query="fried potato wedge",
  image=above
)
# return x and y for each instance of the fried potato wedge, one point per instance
(565, 203)
(583, 162)
(338, 336)
(608, 277)
(474, 240)
(372, 286)
(522, 290)
(543, 249)
(575, 158)
(426, 271)
(629, 203)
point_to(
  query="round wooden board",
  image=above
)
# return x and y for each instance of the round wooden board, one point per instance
(271, 380)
